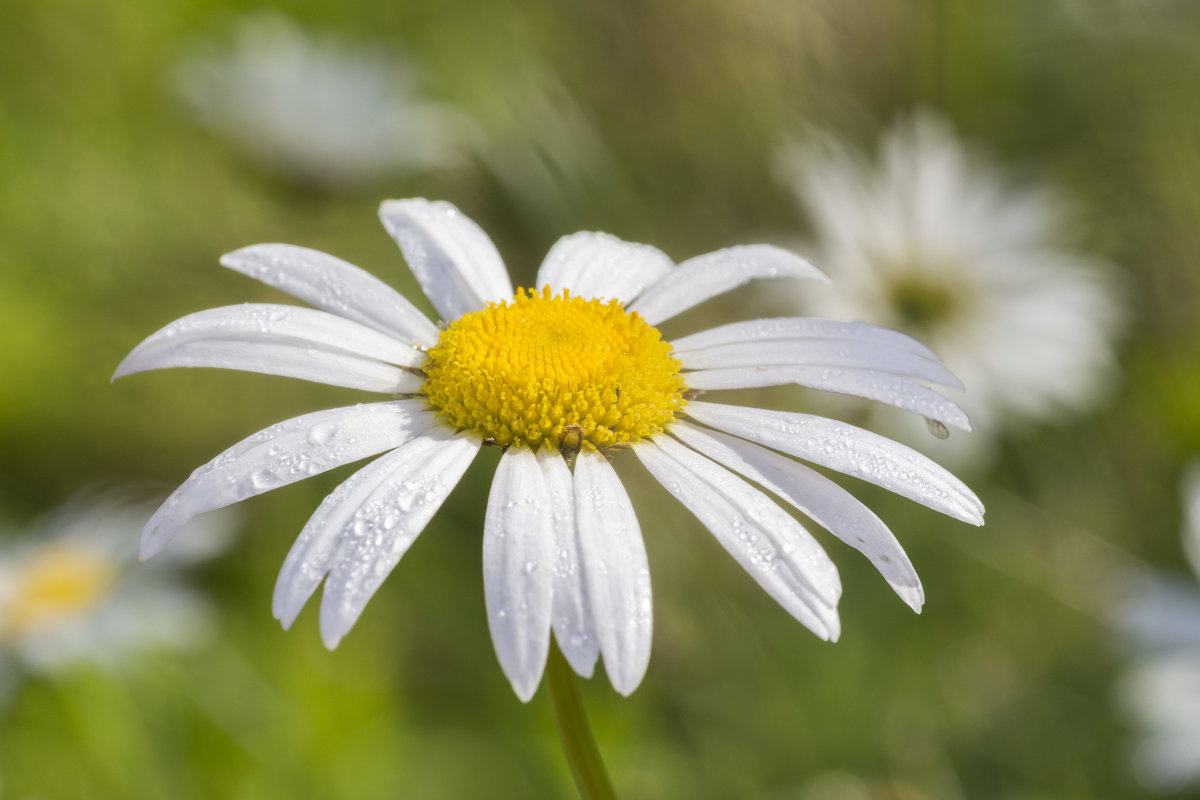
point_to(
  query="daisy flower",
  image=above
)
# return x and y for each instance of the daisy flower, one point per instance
(934, 241)
(69, 592)
(561, 376)
(318, 109)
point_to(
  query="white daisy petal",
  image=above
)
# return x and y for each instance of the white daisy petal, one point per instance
(518, 568)
(290, 361)
(571, 616)
(617, 572)
(775, 549)
(890, 389)
(819, 353)
(599, 265)
(285, 453)
(388, 521)
(280, 340)
(826, 503)
(847, 449)
(315, 550)
(757, 330)
(453, 259)
(711, 274)
(336, 286)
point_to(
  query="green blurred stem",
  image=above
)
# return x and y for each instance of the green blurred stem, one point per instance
(574, 731)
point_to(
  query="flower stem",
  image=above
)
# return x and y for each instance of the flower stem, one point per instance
(574, 731)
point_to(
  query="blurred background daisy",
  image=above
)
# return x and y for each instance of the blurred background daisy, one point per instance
(315, 107)
(930, 238)
(1047, 148)
(71, 592)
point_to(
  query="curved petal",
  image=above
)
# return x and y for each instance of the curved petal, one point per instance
(889, 389)
(711, 274)
(284, 453)
(335, 285)
(777, 552)
(280, 340)
(617, 572)
(571, 616)
(847, 449)
(415, 477)
(518, 568)
(826, 503)
(598, 265)
(453, 259)
(834, 353)
(757, 330)
(387, 521)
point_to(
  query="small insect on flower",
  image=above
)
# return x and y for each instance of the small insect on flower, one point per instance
(560, 376)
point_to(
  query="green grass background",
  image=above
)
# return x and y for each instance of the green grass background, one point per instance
(114, 210)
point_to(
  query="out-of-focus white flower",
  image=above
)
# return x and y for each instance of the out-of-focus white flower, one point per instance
(934, 241)
(319, 109)
(561, 377)
(1161, 693)
(71, 589)
(1160, 620)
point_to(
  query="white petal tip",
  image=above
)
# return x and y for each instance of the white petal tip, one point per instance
(121, 371)
(151, 545)
(333, 624)
(834, 631)
(391, 208)
(526, 693)
(286, 615)
(627, 686)
(584, 668)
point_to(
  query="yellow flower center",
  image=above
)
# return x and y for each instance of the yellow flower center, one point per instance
(556, 368)
(59, 582)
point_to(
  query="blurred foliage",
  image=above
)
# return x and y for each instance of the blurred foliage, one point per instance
(114, 209)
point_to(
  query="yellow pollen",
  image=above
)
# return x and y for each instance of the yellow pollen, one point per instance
(555, 368)
(59, 582)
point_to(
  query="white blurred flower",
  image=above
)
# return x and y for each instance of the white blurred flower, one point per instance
(936, 242)
(1160, 691)
(1162, 695)
(319, 109)
(71, 589)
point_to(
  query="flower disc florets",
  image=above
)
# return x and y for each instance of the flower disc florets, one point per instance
(545, 367)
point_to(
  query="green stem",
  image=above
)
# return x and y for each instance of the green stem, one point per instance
(574, 731)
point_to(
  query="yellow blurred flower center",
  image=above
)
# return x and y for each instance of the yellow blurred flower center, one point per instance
(60, 582)
(556, 368)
